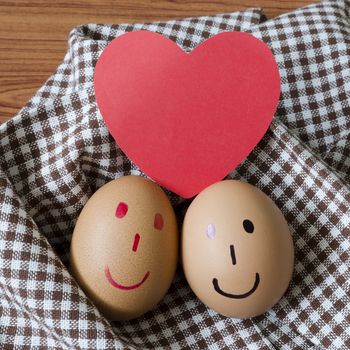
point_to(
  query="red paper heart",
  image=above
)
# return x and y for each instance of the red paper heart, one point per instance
(187, 120)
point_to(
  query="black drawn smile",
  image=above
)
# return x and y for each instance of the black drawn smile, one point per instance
(237, 296)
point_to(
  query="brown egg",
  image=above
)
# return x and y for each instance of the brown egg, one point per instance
(237, 251)
(124, 247)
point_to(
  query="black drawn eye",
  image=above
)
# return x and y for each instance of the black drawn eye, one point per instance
(248, 226)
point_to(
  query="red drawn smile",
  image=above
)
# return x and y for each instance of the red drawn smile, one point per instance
(120, 286)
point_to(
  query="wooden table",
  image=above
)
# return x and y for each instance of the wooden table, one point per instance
(33, 33)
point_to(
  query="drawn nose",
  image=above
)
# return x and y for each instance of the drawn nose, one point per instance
(233, 255)
(136, 242)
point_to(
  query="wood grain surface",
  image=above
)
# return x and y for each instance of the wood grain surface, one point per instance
(33, 33)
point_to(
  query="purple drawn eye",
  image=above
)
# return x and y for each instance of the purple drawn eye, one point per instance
(211, 231)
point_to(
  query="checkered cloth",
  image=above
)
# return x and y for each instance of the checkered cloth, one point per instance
(57, 151)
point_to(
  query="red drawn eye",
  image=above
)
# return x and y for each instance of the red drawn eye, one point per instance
(158, 221)
(121, 211)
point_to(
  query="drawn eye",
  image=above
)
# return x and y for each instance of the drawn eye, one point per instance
(211, 231)
(158, 221)
(248, 226)
(121, 211)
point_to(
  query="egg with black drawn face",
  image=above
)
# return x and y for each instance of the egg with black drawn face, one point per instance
(124, 247)
(237, 252)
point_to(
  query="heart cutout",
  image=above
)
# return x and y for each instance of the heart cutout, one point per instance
(187, 119)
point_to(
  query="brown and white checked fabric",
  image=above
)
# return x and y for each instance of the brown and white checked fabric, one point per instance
(57, 151)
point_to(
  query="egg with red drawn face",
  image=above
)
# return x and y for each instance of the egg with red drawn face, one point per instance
(124, 247)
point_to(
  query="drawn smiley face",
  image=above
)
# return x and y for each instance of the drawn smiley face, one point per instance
(124, 247)
(237, 251)
(158, 224)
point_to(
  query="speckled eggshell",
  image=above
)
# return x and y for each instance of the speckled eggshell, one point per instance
(237, 250)
(125, 246)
